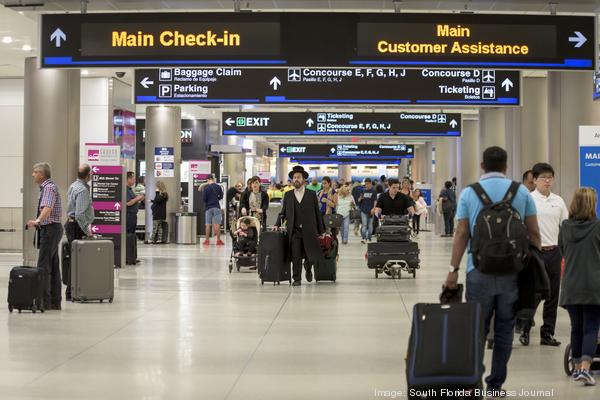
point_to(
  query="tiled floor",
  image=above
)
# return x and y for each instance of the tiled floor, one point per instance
(182, 327)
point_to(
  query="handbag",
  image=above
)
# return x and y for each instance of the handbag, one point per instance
(333, 220)
(355, 215)
(326, 242)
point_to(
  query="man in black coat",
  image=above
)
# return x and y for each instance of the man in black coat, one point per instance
(300, 208)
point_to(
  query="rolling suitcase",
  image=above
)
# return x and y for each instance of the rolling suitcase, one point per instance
(445, 349)
(393, 233)
(25, 289)
(65, 261)
(273, 265)
(395, 220)
(92, 270)
(381, 252)
(130, 249)
(326, 270)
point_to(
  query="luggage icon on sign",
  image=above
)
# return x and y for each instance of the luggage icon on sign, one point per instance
(165, 74)
(489, 93)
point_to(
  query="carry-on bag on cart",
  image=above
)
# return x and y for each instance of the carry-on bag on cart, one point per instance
(393, 233)
(92, 270)
(379, 253)
(25, 289)
(445, 349)
(395, 220)
(333, 220)
(326, 270)
(273, 265)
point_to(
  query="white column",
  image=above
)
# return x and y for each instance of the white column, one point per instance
(345, 172)
(445, 163)
(470, 154)
(535, 141)
(282, 169)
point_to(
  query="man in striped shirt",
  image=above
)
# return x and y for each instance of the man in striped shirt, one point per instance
(49, 231)
(80, 215)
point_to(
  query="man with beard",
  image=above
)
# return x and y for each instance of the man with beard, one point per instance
(300, 208)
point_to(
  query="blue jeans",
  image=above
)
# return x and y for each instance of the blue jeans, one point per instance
(497, 295)
(345, 228)
(585, 320)
(367, 226)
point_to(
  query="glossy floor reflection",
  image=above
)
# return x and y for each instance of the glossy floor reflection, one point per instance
(182, 327)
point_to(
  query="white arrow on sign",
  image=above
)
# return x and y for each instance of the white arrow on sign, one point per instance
(95, 169)
(275, 82)
(507, 84)
(57, 36)
(578, 39)
(95, 228)
(283, 149)
(332, 150)
(229, 121)
(146, 82)
(310, 122)
(453, 123)
(117, 206)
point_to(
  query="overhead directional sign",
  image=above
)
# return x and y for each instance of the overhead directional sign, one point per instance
(318, 39)
(368, 85)
(341, 124)
(347, 151)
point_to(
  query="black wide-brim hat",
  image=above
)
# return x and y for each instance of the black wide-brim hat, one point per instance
(298, 169)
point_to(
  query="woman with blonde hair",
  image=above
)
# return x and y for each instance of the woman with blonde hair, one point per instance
(579, 243)
(345, 203)
(160, 230)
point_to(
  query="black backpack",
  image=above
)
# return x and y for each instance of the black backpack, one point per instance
(499, 242)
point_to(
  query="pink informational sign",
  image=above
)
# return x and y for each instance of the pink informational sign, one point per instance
(107, 193)
(265, 176)
(200, 170)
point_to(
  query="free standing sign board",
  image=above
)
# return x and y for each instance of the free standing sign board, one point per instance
(589, 158)
(108, 195)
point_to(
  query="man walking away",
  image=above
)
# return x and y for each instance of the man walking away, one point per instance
(497, 293)
(80, 214)
(528, 180)
(551, 212)
(366, 203)
(212, 193)
(448, 198)
(49, 231)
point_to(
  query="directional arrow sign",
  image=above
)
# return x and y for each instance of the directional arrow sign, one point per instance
(507, 84)
(95, 228)
(146, 83)
(95, 169)
(578, 39)
(229, 121)
(117, 206)
(283, 149)
(332, 150)
(275, 82)
(310, 122)
(58, 36)
(453, 123)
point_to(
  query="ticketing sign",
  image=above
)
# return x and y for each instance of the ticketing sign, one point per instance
(303, 85)
(347, 151)
(340, 124)
(318, 39)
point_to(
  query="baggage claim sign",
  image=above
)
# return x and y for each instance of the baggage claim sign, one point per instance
(318, 39)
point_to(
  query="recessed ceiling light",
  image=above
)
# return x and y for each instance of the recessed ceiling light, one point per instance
(85, 72)
(7, 39)
(26, 47)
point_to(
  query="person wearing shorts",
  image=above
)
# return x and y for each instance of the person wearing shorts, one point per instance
(213, 217)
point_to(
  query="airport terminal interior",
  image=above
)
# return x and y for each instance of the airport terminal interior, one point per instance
(172, 139)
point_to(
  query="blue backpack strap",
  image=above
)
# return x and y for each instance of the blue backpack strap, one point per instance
(481, 194)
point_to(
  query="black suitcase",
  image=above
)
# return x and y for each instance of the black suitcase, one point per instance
(25, 289)
(273, 264)
(393, 233)
(395, 220)
(130, 249)
(381, 252)
(65, 261)
(445, 349)
(326, 270)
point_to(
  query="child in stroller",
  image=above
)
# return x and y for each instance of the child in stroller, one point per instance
(246, 235)
(245, 243)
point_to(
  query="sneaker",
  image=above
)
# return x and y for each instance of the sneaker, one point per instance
(220, 243)
(575, 374)
(206, 242)
(586, 377)
(363, 241)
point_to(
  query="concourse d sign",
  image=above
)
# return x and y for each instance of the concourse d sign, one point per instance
(318, 39)
(341, 124)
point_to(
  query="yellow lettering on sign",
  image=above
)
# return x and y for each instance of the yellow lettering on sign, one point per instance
(124, 39)
(453, 31)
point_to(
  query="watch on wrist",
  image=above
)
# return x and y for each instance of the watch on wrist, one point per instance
(452, 269)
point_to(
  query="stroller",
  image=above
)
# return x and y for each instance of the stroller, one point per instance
(568, 360)
(250, 260)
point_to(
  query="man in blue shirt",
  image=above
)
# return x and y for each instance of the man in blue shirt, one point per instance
(497, 294)
(212, 194)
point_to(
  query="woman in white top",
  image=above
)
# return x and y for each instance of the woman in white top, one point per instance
(420, 209)
(345, 202)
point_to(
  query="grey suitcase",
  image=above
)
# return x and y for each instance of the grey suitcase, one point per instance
(92, 270)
